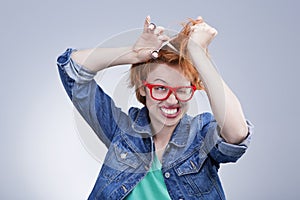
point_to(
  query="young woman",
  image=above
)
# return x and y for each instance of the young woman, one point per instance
(158, 151)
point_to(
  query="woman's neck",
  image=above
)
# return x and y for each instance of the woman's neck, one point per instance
(161, 139)
(163, 133)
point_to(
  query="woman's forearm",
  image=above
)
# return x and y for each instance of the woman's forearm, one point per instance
(225, 105)
(97, 59)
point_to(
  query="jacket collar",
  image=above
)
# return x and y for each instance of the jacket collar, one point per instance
(141, 120)
(181, 133)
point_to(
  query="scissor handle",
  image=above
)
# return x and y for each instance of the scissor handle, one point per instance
(154, 54)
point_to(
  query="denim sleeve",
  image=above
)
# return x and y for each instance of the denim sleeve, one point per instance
(95, 106)
(219, 149)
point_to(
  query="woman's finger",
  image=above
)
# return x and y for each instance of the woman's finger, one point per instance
(146, 23)
(199, 19)
(159, 30)
(163, 38)
(213, 31)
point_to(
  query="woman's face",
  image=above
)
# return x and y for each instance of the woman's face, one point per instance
(166, 112)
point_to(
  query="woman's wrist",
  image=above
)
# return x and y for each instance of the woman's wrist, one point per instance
(140, 55)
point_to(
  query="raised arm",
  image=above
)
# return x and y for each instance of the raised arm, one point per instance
(77, 69)
(96, 59)
(225, 105)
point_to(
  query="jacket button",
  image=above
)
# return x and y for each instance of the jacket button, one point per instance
(124, 188)
(167, 175)
(123, 155)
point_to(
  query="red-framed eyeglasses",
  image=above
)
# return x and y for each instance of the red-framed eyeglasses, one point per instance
(162, 92)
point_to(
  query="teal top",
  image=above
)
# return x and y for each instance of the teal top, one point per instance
(152, 186)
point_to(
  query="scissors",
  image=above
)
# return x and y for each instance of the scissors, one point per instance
(154, 54)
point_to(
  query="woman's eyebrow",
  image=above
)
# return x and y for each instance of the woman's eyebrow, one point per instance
(160, 80)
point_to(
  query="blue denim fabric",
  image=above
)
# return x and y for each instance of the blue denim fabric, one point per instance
(190, 163)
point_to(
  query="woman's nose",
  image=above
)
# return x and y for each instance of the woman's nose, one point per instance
(172, 99)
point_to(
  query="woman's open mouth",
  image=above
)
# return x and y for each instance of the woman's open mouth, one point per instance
(170, 112)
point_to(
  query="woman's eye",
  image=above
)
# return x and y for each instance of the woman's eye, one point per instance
(160, 88)
(184, 91)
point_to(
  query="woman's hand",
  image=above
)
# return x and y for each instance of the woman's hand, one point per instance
(201, 34)
(151, 39)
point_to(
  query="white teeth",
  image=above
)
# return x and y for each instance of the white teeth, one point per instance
(169, 111)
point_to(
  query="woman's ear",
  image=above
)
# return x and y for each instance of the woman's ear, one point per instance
(142, 91)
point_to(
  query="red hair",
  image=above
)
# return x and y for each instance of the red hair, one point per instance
(179, 59)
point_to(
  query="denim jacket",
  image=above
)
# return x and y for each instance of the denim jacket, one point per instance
(190, 162)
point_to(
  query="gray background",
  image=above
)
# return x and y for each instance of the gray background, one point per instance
(256, 51)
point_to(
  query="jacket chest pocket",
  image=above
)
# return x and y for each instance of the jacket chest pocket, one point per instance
(120, 160)
(194, 175)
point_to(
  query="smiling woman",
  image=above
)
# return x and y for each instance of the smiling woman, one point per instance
(158, 151)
